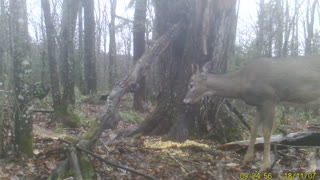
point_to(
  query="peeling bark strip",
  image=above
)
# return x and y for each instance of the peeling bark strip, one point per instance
(212, 7)
(109, 118)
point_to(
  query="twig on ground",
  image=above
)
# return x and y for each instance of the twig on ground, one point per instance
(180, 164)
(109, 162)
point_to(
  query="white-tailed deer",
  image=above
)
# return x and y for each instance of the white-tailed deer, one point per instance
(263, 84)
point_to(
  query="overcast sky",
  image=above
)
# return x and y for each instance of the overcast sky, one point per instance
(246, 22)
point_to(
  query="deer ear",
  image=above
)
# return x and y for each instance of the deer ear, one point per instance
(207, 67)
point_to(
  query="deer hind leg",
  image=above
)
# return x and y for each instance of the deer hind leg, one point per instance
(267, 117)
(254, 128)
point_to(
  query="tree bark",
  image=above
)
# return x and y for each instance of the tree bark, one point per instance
(60, 105)
(214, 115)
(2, 129)
(89, 47)
(279, 17)
(294, 48)
(309, 27)
(139, 43)
(80, 60)
(55, 86)
(69, 16)
(112, 45)
(3, 39)
(21, 76)
(260, 34)
(171, 117)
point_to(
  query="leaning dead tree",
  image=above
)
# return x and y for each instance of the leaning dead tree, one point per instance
(109, 118)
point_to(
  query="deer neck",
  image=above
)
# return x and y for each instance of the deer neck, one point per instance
(224, 85)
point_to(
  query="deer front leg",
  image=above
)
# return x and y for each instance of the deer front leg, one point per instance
(267, 118)
(250, 151)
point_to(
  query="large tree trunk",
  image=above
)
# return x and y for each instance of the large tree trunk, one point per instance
(139, 43)
(21, 76)
(175, 68)
(215, 117)
(89, 47)
(68, 23)
(171, 116)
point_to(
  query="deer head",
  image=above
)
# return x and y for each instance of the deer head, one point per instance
(198, 87)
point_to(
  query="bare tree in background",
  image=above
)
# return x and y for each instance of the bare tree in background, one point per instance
(3, 38)
(112, 44)
(294, 43)
(61, 102)
(309, 26)
(139, 44)
(21, 76)
(68, 23)
(260, 35)
(89, 47)
(54, 78)
(79, 66)
(309, 37)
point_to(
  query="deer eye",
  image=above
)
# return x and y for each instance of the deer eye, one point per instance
(190, 86)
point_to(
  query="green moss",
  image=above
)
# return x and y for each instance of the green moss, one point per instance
(26, 145)
(92, 129)
(74, 118)
(60, 130)
(68, 118)
(131, 116)
(86, 167)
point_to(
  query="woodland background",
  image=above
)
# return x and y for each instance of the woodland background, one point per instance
(60, 60)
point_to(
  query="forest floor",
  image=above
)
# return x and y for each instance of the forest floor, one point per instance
(193, 159)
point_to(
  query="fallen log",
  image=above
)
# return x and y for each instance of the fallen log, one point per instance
(304, 139)
(101, 159)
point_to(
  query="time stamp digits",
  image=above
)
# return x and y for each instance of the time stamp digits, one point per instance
(286, 176)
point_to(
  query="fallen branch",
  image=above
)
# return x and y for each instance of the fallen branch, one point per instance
(125, 19)
(179, 163)
(308, 139)
(60, 170)
(107, 161)
(42, 111)
(75, 164)
(238, 114)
